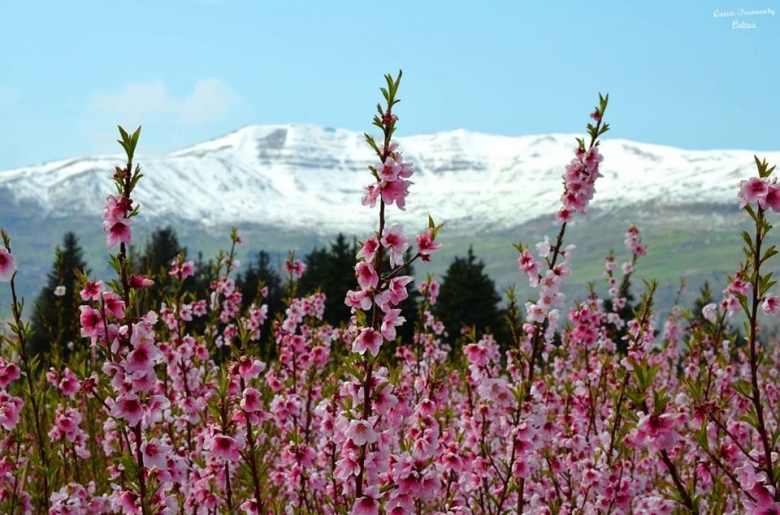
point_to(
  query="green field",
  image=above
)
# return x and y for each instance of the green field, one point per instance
(699, 243)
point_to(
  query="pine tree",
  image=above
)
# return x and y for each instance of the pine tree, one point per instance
(331, 271)
(468, 297)
(162, 247)
(154, 262)
(55, 317)
(257, 275)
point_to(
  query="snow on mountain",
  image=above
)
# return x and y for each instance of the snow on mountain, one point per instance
(310, 176)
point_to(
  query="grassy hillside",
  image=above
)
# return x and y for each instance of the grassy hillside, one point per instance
(699, 243)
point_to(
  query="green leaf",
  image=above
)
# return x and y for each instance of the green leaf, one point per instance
(748, 239)
(700, 437)
(742, 387)
(770, 252)
(136, 135)
(750, 418)
(751, 212)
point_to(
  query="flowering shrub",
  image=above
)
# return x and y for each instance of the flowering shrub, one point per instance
(170, 410)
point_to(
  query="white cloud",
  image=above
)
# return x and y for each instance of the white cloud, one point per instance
(210, 99)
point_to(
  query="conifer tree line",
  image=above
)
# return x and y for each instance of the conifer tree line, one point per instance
(469, 297)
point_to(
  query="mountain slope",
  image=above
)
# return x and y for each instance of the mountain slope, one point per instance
(296, 186)
(308, 176)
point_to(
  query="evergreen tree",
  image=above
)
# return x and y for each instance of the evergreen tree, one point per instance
(154, 262)
(55, 320)
(331, 271)
(626, 314)
(257, 275)
(161, 248)
(468, 297)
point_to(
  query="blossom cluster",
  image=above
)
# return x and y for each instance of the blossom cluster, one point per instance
(188, 407)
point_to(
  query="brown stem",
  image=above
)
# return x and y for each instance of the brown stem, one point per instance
(756, 393)
(37, 415)
(139, 458)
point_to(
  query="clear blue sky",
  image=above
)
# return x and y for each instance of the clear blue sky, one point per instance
(193, 70)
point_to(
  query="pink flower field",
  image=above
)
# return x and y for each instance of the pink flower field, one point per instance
(169, 408)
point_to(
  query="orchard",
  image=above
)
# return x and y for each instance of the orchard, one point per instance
(172, 409)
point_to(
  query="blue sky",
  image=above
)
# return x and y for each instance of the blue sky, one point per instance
(190, 71)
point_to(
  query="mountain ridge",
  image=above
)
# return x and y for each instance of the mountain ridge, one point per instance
(294, 175)
(294, 187)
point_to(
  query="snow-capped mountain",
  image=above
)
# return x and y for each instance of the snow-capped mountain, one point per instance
(310, 176)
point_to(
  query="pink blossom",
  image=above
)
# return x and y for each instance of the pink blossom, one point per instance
(536, 312)
(384, 400)
(658, 429)
(296, 268)
(770, 304)
(632, 238)
(544, 248)
(155, 407)
(59, 291)
(709, 312)
(773, 197)
(250, 368)
(395, 192)
(764, 501)
(396, 289)
(366, 505)
(7, 265)
(346, 466)
(367, 339)
(528, 264)
(433, 292)
(368, 249)
(139, 281)
(113, 305)
(225, 447)
(69, 384)
(118, 232)
(155, 454)
(115, 208)
(143, 358)
(389, 170)
(91, 322)
(390, 321)
(92, 290)
(359, 299)
(426, 244)
(394, 240)
(476, 354)
(579, 179)
(9, 372)
(128, 407)
(564, 215)
(182, 270)
(250, 507)
(10, 408)
(366, 275)
(251, 401)
(371, 195)
(361, 432)
(753, 190)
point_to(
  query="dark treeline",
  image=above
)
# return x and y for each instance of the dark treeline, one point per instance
(468, 295)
